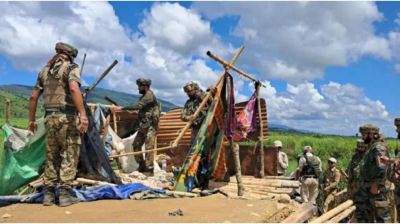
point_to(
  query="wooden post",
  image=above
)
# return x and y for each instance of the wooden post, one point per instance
(333, 212)
(8, 111)
(115, 122)
(141, 152)
(342, 215)
(261, 137)
(302, 214)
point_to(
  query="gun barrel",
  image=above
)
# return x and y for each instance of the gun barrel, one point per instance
(111, 101)
(101, 77)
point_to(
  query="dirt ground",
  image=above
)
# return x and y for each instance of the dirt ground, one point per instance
(215, 208)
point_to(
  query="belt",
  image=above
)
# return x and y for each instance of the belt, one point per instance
(67, 110)
(309, 176)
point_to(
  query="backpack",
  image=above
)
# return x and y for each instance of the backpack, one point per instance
(311, 167)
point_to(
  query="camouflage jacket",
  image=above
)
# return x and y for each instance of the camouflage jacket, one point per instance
(370, 169)
(149, 109)
(190, 108)
(353, 170)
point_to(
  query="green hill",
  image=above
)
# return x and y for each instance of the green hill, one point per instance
(19, 96)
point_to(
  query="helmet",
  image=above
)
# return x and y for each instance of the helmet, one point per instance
(397, 121)
(66, 49)
(369, 128)
(191, 86)
(277, 143)
(143, 82)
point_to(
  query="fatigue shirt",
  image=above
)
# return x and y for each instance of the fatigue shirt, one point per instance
(282, 162)
(331, 179)
(147, 103)
(190, 108)
(370, 170)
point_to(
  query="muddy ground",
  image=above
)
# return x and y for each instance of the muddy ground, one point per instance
(215, 208)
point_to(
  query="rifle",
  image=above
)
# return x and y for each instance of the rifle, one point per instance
(111, 101)
(101, 77)
(83, 63)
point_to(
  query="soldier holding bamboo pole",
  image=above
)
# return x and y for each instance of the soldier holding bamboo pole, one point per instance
(149, 117)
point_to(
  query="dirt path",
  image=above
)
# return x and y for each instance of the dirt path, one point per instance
(214, 208)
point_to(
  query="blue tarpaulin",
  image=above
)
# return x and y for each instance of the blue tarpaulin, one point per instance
(87, 194)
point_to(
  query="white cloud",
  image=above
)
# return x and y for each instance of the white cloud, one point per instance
(296, 41)
(336, 108)
(170, 47)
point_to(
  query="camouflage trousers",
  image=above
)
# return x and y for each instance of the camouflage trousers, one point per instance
(62, 150)
(372, 207)
(352, 189)
(148, 136)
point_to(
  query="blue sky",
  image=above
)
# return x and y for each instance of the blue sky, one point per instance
(328, 66)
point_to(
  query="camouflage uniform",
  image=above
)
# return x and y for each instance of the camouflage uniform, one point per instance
(397, 182)
(63, 137)
(148, 116)
(373, 207)
(353, 171)
(330, 181)
(191, 106)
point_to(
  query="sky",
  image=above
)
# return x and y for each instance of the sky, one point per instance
(328, 67)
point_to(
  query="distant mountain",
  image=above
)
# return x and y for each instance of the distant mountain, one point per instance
(284, 128)
(19, 95)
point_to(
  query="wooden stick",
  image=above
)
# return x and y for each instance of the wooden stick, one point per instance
(205, 100)
(228, 66)
(261, 137)
(92, 182)
(342, 215)
(302, 214)
(278, 178)
(140, 152)
(115, 122)
(238, 169)
(181, 193)
(8, 111)
(333, 212)
(24, 190)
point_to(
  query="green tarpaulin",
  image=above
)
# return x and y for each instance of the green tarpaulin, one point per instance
(22, 158)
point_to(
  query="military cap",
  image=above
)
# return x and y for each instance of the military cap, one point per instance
(333, 160)
(397, 121)
(191, 86)
(143, 82)
(369, 128)
(67, 49)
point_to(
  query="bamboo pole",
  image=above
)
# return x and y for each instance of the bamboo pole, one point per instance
(261, 137)
(205, 100)
(181, 193)
(231, 66)
(333, 212)
(302, 214)
(92, 182)
(141, 152)
(8, 111)
(342, 215)
(115, 122)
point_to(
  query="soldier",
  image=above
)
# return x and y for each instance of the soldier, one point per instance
(353, 169)
(59, 80)
(282, 159)
(196, 96)
(308, 172)
(148, 117)
(395, 170)
(330, 183)
(371, 199)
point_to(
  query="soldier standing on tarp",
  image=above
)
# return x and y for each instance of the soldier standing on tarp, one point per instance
(149, 117)
(196, 96)
(371, 199)
(59, 80)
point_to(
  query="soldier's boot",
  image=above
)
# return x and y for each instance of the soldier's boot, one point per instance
(66, 199)
(142, 165)
(49, 197)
